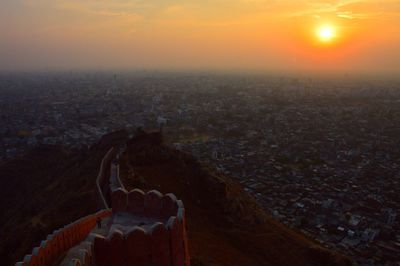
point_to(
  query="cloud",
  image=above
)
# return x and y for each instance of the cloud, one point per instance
(185, 31)
(361, 16)
(348, 9)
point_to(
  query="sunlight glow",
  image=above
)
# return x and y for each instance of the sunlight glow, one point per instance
(326, 33)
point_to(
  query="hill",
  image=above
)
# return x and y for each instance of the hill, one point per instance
(46, 189)
(52, 186)
(226, 226)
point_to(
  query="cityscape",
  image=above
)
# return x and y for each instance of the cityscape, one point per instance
(320, 154)
(200, 133)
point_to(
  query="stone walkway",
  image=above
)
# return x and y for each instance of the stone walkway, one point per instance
(124, 222)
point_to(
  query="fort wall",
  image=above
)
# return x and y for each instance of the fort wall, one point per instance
(115, 181)
(162, 240)
(103, 180)
(54, 248)
(162, 243)
(51, 250)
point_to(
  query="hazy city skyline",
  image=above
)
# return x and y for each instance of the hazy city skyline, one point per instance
(347, 36)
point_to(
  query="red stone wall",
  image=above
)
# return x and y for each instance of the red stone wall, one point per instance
(152, 204)
(138, 241)
(119, 200)
(159, 244)
(60, 241)
(103, 180)
(136, 202)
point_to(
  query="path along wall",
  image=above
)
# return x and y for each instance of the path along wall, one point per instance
(157, 244)
(57, 244)
(52, 250)
(160, 243)
(115, 181)
(103, 179)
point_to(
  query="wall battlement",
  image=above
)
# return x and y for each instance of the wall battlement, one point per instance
(156, 234)
(60, 241)
(141, 229)
(102, 180)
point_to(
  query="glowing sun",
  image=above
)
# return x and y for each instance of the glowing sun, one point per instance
(326, 33)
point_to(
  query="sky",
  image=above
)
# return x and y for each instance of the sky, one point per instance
(263, 35)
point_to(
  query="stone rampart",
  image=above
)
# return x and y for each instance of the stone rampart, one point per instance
(52, 250)
(115, 181)
(152, 204)
(103, 179)
(154, 234)
(163, 242)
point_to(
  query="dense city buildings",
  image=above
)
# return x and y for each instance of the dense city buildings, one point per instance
(320, 155)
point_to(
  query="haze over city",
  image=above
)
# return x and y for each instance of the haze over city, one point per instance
(344, 36)
(182, 132)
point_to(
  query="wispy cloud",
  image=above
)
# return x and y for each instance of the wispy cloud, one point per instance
(207, 29)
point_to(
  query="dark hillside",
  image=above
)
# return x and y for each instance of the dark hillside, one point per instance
(46, 189)
(226, 225)
(53, 186)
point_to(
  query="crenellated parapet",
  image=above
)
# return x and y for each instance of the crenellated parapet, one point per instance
(144, 229)
(151, 204)
(52, 250)
(156, 234)
(140, 229)
(103, 179)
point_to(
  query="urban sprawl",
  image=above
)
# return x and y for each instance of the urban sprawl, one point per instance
(321, 155)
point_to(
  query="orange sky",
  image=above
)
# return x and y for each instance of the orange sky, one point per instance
(218, 34)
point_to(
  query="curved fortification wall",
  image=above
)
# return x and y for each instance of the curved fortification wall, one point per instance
(161, 241)
(141, 229)
(52, 250)
(115, 181)
(103, 180)
(152, 232)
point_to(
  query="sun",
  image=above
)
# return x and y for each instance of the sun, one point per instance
(326, 33)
